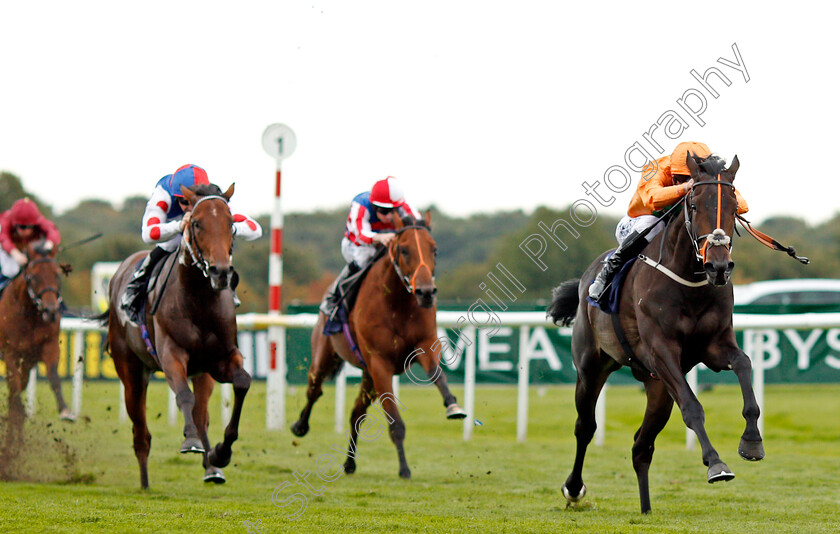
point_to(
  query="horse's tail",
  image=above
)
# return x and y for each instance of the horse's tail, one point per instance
(564, 302)
(102, 318)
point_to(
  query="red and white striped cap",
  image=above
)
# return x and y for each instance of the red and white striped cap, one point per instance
(387, 193)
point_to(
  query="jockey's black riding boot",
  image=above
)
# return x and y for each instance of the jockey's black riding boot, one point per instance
(330, 304)
(632, 246)
(134, 294)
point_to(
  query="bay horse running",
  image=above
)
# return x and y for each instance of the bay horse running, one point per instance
(394, 324)
(670, 325)
(30, 313)
(192, 333)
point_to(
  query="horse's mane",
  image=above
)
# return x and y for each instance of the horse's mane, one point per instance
(204, 190)
(40, 247)
(712, 165)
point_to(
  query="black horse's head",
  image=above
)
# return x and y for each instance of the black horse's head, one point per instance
(711, 206)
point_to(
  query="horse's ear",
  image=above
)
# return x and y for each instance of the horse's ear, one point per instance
(427, 218)
(729, 174)
(692, 164)
(398, 222)
(189, 195)
(229, 193)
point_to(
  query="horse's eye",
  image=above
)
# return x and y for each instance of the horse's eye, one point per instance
(404, 252)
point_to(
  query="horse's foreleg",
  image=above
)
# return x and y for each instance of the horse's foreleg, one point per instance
(14, 381)
(234, 373)
(428, 355)
(175, 369)
(667, 368)
(382, 375)
(357, 418)
(659, 406)
(751, 446)
(51, 356)
(324, 362)
(593, 368)
(203, 388)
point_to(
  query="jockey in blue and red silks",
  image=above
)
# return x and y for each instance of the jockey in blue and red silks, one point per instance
(370, 225)
(167, 214)
(20, 225)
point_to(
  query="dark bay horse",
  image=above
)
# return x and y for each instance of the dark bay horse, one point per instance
(394, 324)
(191, 334)
(671, 326)
(30, 313)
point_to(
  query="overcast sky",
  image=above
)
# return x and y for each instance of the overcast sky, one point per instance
(474, 106)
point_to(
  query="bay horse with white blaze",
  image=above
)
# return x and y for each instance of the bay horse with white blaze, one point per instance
(192, 333)
(30, 313)
(394, 324)
(671, 322)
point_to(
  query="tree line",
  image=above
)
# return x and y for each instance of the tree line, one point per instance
(468, 249)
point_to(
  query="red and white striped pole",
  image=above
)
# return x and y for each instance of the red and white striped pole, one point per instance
(279, 142)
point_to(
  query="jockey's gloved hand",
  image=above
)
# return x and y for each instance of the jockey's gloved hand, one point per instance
(18, 256)
(384, 239)
(686, 187)
(185, 221)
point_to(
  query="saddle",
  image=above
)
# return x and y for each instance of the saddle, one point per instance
(609, 302)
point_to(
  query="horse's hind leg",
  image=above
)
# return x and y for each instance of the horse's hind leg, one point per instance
(751, 446)
(51, 355)
(135, 377)
(593, 368)
(366, 394)
(324, 363)
(659, 406)
(233, 372)
(382, 373)
(429, 357)
(203, 388)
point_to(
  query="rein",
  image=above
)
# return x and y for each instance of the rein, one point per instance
(769, 242)
(195, 253)
(408, 282)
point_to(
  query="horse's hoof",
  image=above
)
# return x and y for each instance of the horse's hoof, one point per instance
(300, 429)
(572, 499)
(67, 415)
(751, 450)
(405, 473)
(720, 472)
(349, 467)
(215, 475)
(453, 411)
(218, 459)
(192, 445)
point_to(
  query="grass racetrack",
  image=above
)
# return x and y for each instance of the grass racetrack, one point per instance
(83, 477)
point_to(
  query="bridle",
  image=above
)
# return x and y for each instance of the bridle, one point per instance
(37, 297)
(195, 252)
(718, 237)
(409, 282)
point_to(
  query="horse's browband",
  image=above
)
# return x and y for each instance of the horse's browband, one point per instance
(413, 226)
(713, 182)
(208, 197)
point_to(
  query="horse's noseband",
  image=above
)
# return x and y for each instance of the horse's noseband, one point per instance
(718, 237)
(407, 281)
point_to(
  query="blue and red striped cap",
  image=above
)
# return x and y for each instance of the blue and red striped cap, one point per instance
(188, 176)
